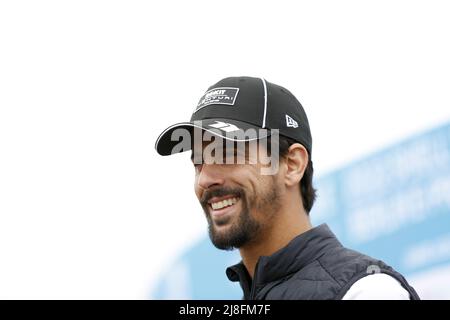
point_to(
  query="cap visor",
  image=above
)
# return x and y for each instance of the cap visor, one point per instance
(178, 137)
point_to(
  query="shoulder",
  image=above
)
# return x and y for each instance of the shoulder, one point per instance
(379, 286)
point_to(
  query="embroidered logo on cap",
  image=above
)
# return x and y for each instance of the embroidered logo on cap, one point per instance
(224, 95)
(227, 127)
(291, 122)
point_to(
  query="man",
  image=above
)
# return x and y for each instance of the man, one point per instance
(251, 149)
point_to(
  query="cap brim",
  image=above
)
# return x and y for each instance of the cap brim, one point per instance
(170, 139)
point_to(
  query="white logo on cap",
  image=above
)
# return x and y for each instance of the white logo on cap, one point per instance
(291, 122)
(227, 127)
(216, 96)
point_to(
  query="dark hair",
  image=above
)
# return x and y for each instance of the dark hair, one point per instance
(307, 190)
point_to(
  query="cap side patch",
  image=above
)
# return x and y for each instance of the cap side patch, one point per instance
(291, 122)
(222, 95)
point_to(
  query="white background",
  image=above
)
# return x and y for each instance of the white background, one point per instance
(87, 207)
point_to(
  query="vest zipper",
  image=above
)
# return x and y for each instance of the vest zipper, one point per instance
(252, 290)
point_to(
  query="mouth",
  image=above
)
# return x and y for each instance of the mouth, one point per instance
(221, 206)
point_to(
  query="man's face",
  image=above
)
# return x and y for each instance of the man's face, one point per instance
(239, 202)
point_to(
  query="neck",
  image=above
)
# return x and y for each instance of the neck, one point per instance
(284, 228)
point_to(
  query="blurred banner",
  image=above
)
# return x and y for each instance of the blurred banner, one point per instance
(393, 205)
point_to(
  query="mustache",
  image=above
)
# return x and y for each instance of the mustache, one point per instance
(220, 192)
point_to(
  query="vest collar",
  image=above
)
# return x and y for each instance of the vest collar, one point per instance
(300, 251)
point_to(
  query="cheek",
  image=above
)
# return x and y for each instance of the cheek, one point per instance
(197, 189)
(251, 181)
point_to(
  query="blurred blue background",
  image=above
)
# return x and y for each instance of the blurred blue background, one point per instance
(393, 204)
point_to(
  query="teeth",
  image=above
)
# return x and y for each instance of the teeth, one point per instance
(223, 203)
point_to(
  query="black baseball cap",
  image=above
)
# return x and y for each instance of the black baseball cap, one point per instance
(235, 106)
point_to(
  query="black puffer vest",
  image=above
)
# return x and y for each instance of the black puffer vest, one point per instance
(314, 265)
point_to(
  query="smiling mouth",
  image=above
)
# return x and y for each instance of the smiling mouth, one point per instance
(222, 206)
(224, 203)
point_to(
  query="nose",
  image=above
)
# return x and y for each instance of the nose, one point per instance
(210, 175)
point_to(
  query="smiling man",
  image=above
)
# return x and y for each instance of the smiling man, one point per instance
(251, 148)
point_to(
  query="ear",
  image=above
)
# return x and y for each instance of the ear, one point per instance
(296, 162)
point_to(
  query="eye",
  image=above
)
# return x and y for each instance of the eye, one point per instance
(235, 156)
(198, 167)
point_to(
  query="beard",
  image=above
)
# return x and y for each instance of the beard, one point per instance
(244, 228)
